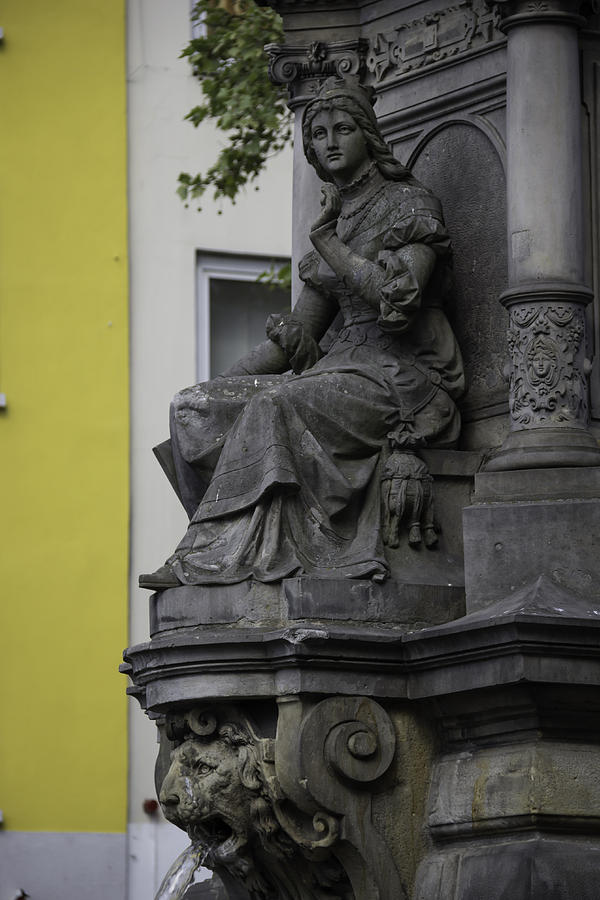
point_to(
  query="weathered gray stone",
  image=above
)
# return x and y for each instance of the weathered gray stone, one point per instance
(296, 600)
(217, 888)
(514, 692)
(537, 484)
(536, 868)
(529, 784)
(212, 889)
(509, 544)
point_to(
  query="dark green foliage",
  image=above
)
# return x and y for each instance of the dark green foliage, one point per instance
(232, 68)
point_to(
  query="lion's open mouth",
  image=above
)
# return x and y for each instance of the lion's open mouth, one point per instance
(212, 831)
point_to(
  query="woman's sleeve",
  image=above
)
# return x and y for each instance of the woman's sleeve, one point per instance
(298, 334)
(394, 282)
(315, 310)
(293, 339)
(411, 248)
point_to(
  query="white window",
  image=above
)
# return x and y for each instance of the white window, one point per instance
(233, 308)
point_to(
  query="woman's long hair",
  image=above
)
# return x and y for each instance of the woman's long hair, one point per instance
(379, 151)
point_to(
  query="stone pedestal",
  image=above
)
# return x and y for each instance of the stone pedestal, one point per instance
(514, 801)
(322, 720)
(456, 761)
(530, 523)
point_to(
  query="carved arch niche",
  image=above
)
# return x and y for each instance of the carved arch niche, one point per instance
(461, 160)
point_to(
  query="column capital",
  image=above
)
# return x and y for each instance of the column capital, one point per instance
(532, 12)
(302, 67)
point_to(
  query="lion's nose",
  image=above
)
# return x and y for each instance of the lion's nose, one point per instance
(169, 799)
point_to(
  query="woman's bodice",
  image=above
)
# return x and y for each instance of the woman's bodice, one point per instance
(379, 217)
(377, 221)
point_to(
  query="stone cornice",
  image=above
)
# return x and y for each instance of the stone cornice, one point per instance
(540, 634)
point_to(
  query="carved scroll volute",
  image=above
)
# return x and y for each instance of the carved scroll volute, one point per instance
(302, 67)
(331, 757)
(359, 749)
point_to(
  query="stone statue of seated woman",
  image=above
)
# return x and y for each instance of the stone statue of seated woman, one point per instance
(279, 462)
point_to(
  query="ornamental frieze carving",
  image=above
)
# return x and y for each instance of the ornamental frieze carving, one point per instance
(548, 375)
(433, 38)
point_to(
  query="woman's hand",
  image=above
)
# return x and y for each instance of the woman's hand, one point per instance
(331, 204)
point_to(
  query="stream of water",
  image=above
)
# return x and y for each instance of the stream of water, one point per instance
(181, 874)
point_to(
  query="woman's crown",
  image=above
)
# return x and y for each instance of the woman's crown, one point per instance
(347, 86)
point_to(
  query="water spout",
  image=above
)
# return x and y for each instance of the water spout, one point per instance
(181, 874)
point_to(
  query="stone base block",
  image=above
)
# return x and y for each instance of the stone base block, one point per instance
(511, 538)
(545, 447)
(306, 599)
(533, 868)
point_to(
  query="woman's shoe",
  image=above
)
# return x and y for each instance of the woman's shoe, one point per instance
(160, 580)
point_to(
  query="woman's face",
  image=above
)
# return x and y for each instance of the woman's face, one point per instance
(339, 145)
(540, 363)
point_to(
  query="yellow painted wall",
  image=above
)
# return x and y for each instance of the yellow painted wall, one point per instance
(64, 437)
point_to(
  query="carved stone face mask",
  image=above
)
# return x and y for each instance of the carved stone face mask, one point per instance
(339, 144)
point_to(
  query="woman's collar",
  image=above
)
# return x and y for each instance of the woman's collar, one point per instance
(357, 185)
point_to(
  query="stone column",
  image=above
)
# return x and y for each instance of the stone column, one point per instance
(546, 297)
(302, 67)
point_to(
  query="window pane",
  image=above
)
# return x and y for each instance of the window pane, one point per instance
(238, 312)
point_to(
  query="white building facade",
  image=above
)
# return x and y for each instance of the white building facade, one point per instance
(181, 262)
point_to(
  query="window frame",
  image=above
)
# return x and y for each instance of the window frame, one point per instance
(229, 267)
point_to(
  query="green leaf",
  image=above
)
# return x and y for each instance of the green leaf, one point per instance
(231, 66)
(277, 277)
